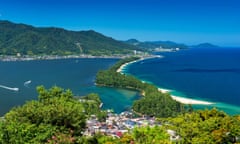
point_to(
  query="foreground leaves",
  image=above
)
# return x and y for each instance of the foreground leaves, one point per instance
(56, 112)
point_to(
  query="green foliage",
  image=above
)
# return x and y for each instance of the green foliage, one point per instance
(206, 126)
(45, 96)
(123, 61)
(113, 79)
(93, 97)
(23, 132)
(150, 45)
(150, 135)
(54, 115)
(157, 104)
(154, 103)
(92, 106)
(29, 40)
(57, 117)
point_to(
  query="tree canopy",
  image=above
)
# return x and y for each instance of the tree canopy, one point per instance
(206, 126)
(55, 117)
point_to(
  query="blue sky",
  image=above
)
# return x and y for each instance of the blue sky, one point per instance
(184, 21)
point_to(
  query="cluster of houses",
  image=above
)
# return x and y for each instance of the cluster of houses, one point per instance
(118, 124)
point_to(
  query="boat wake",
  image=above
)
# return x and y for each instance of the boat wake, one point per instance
(27, 83)
(9, 88)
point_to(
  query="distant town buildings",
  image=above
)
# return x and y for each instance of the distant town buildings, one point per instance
(118, 124)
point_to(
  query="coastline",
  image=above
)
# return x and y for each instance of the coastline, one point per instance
(54, 57)
(182, 100)
(190, 101)
(122, 67)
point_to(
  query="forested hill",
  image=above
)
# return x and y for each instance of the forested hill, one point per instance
(29, 40)
(150, 45)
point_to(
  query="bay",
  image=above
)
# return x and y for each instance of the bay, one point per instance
(77, 75)
(204, 74)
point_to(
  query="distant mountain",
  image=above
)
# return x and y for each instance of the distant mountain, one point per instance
(155, 44)
(29, 40)
(205, 45)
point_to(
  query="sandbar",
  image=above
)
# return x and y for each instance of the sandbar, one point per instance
(186, 100)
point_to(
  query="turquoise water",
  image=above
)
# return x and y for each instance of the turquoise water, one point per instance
(75, 74)
(203, 74)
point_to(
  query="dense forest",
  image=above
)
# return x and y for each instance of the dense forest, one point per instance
(153, 102)
(29, 40)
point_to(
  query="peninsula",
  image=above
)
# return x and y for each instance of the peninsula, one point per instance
(153, 102)
(182, 100)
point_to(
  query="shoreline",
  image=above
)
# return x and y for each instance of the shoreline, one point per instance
(182, 100)
(122, 67)
(55, 57)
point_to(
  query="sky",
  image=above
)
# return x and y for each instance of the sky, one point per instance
(183, 21)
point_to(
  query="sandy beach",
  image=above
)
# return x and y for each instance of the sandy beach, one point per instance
(186, 100)
(120, 69)
(179, 99)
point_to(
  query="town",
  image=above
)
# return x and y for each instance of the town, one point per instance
(116, 125)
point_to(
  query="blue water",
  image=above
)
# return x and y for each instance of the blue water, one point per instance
(77, 75)
(204, 74)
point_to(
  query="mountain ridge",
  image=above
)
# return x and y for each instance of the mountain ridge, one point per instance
(205, 45)
(152, 45)
(166, 44)
(30, 40)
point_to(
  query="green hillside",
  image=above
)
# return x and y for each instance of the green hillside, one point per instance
(150, 45)
(29, 40)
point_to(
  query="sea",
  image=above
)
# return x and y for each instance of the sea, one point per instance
(198, 73)
(78, 75)
(206, 74)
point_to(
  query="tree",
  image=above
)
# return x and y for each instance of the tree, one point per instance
(55, 115)
(150, 135)
(206, 126)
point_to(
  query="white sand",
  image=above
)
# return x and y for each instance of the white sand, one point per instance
(185, 100)
(190, 101)
(163, 90)
(120, 69)
(179, 99)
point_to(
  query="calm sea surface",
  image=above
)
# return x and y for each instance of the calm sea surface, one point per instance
(203, 74)
(75, 74)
